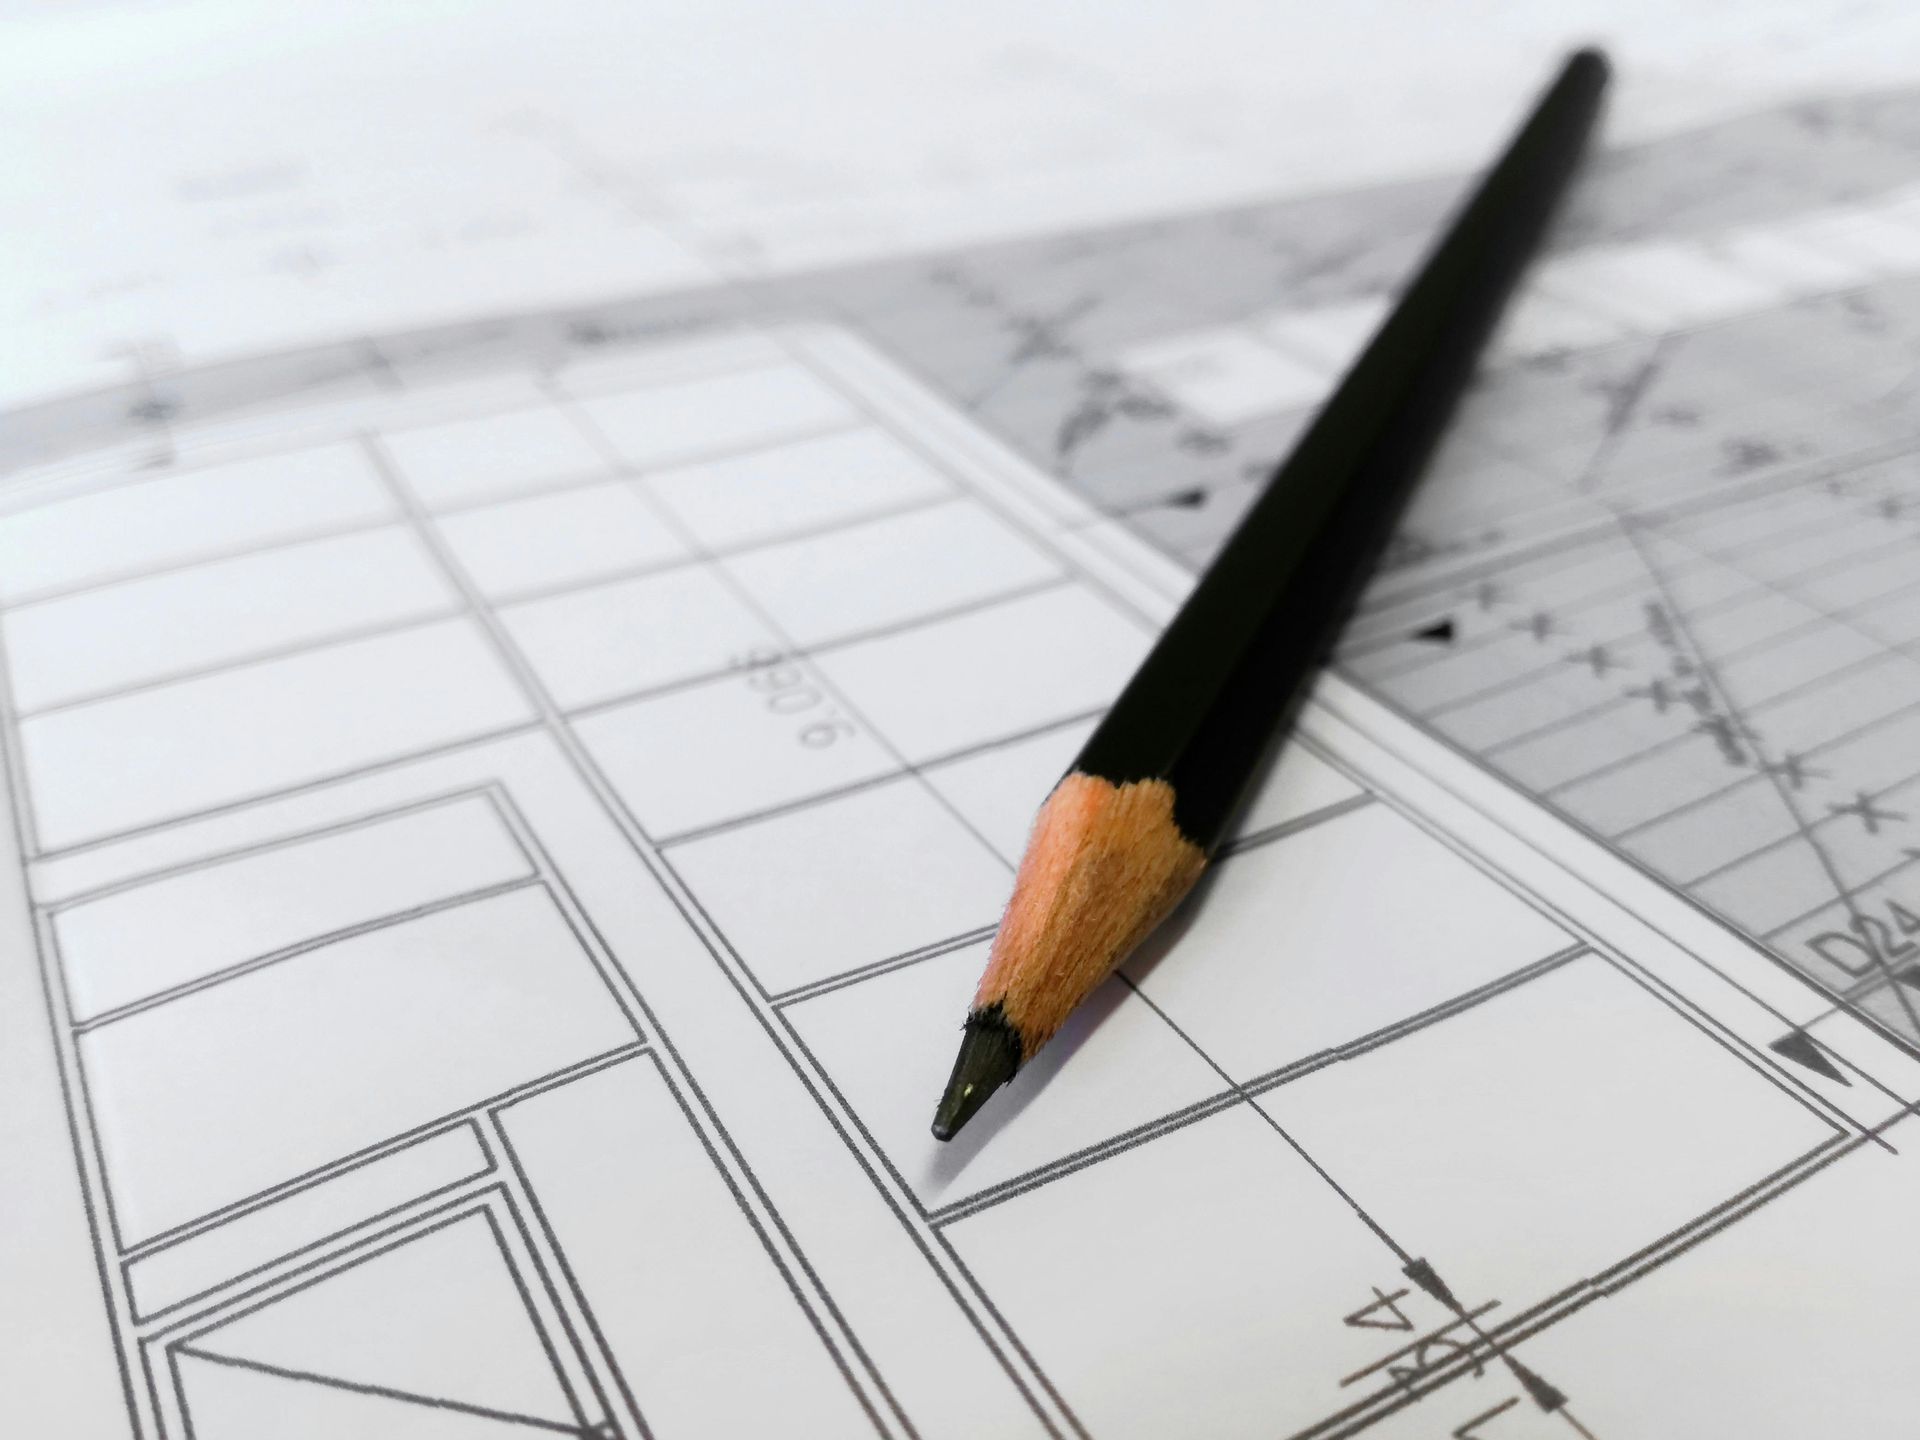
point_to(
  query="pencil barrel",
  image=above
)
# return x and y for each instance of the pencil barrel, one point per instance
(1228, 671)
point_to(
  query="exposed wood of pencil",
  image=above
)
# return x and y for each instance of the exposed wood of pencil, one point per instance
(1104, 866)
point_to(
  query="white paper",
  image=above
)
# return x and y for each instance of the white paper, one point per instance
(507, 819)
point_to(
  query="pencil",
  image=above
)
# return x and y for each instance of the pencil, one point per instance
(1128, 830)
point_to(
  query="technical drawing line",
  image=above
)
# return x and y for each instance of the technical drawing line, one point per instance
(345, 1238)
(304, 947)
(385, 1392)
(553, 722)
(1624, 407)
(1629, 527)
(1556, 548)
(891, 963)
(1400, 1253)
(393, 1142)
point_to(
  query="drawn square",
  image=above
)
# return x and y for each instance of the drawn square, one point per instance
(886, 572)
(1538, 1138)
(1000, 789)
(635, 635)
(574, 537)
(843, 883)
(951, 684)
(718, 750)
(887, 1042)
(485, 457)
(800, 485)
(1327, 934)
(1210, 1266)
(714, 415)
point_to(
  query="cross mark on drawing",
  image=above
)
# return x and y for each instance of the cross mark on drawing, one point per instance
(1597, 658)
(1869, 813)
(1792, 768)
(1654, 690)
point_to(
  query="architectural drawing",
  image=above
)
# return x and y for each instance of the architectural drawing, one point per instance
(510, 814)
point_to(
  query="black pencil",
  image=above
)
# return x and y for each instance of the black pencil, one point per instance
(1127, 831)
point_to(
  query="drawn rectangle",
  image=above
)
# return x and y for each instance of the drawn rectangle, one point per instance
(151, 936)
(632, 635)
(833, 886)
(485, 457)
(138, 631)
(999, 790)
(1210, 1266)
(238, 1246)
(888, 572)
(703, 1329)
(759, 495)
(1747, 807)
(168, 519)
(1547, 1134)
(719, 750)
(1320, 937)
(574, 537)
(191, 745)
(229, 1091)
(952, 684)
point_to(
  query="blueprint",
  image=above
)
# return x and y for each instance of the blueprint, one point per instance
(507, 814)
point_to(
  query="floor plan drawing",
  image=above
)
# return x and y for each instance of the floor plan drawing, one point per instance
(508, 816)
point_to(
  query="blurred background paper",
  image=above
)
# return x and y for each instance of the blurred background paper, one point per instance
(200, 181)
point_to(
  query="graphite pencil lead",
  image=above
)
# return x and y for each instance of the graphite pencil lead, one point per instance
(989, 1054)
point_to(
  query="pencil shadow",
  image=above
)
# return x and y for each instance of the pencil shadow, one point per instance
(950, 1161)
(1163, 941)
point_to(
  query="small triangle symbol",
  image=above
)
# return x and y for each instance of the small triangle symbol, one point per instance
(1542, 1394)
(1908, 976)
(1799, 1047)
(1438, 633)
(1428, 1279)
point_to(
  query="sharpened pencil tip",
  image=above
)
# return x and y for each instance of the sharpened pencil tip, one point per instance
(989, 1054)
